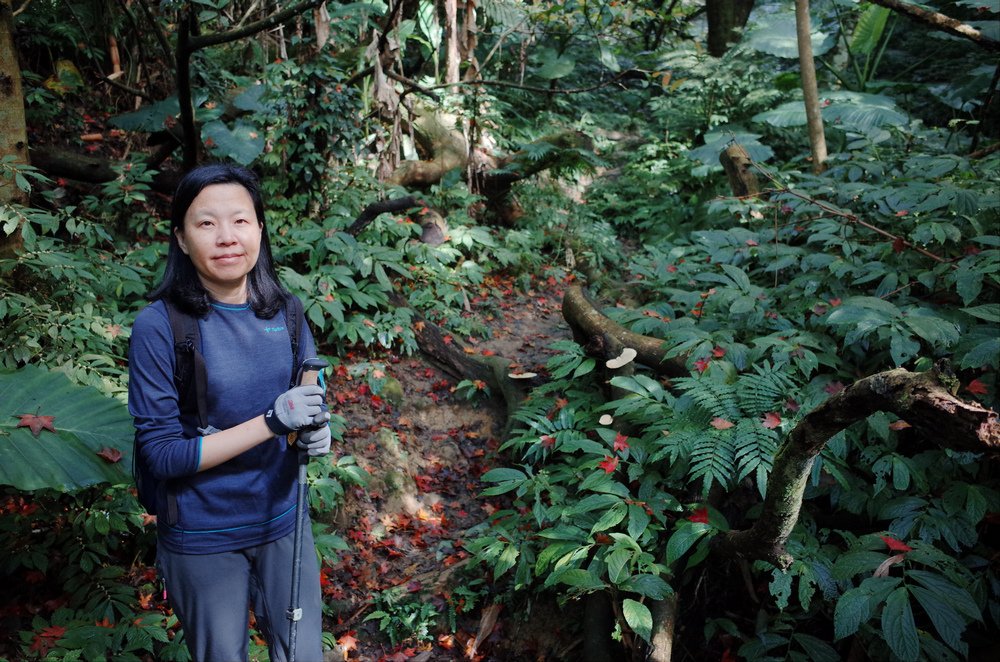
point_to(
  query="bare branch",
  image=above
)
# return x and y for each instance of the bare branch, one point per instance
(941, 22)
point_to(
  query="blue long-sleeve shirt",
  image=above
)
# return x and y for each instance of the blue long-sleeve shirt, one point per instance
(250, 499)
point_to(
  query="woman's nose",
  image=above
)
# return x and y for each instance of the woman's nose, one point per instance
(225, 235)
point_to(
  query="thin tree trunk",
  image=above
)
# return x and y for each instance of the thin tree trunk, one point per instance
(725, 19)
(810, 91)
(452, 56)
(13, 130)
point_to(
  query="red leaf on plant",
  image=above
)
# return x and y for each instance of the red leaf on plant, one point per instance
(36, 423)
(975, 386)
(721, 423)
(895, 545)
(700, 516)
(727, 656)
(835, 301)
(898, 245)
(110, 455)
(771, 420)
(621, 442)
(834, 387)
(899, 425)
(718, 352)
(548, 441)
(46, 639)
(902, 212)
(609, 464)
(701, 365)
(791, 405)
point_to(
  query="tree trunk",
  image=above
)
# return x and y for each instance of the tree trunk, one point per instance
(451, 39)
(664, 621)
(739, 170)
(918, 398)
(725, 19)
(810, 92)
(13, 130)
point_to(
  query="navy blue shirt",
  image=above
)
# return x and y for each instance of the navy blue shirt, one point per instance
(250, 499)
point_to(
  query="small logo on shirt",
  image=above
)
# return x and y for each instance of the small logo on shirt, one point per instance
(273, 329)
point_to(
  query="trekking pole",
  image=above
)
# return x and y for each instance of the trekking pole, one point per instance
(308, 374)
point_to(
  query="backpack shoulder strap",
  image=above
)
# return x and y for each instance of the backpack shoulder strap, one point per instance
(294, 321)
(190, 375)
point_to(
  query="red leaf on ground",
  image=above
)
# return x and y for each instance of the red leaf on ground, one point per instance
(609, 464)
(899, 425)
(348, 642)
(895, 545)
(36, 423)
(771, 420)
(110, 455)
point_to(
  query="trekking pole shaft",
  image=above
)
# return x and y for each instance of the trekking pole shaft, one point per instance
(308, 375)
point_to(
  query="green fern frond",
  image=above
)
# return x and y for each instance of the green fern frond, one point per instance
(763, 391)
(713, 460)
(718, 398)
(754, 447)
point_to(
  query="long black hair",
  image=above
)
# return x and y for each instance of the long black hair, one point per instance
(181, 284)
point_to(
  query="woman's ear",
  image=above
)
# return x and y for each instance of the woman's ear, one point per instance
(180, 240)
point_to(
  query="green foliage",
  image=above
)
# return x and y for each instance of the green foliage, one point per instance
(86, 438)
(403, 617)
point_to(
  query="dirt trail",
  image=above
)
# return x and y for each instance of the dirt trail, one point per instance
(425, 447)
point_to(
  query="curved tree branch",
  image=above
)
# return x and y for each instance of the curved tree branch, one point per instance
(941, 22)
(919, 398)
(602, 333)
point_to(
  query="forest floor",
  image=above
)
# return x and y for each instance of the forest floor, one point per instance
(406, 528)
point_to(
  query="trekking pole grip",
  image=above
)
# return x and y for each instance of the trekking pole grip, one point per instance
(309, 373)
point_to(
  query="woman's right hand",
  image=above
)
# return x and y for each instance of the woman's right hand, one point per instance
(294, 409)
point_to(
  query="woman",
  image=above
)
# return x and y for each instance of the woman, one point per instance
(226, 539)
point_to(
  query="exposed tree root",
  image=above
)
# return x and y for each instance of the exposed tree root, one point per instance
(918, 398)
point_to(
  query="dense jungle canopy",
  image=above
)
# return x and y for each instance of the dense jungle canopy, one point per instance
(659, 329)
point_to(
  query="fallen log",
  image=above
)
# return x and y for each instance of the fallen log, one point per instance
(603, 337)
(919, 398)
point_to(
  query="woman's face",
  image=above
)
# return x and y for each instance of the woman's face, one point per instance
(222, 237)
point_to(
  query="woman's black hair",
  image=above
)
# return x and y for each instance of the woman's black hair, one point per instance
(181, 284)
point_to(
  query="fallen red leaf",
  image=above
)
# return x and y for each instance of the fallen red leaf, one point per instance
(721, 423)
(975, 387)
(700, 515)
(895, 545)
(347, 643)
(771, 420)
(899, 425)
(609, 464)
(36, 423)
(621, 442)
(110, 455)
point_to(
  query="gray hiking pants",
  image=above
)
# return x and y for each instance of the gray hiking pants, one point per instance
(210, 594)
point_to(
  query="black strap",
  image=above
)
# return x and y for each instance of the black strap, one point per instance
(294, 320)
(189, 364)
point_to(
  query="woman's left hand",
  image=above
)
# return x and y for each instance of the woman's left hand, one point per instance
(316, 442)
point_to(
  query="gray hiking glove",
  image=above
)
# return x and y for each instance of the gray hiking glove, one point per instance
(294, 409)
(316, 440)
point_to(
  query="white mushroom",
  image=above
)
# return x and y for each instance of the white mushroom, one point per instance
(606, 420)
(521, 375)
(627, 356)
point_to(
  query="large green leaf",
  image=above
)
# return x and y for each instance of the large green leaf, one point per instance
(869, 30)
(899, 627)
(638, 617)
(85, 421)
(243, 143)
(854, 111)
(775, 35)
